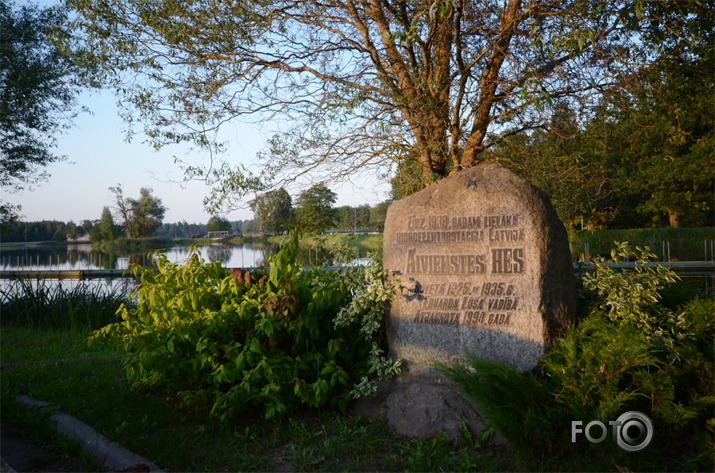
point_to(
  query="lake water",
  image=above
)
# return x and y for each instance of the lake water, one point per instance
(84, 257)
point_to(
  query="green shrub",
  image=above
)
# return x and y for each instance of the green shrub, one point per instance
(633, 296)
(238, 339)
(521, 408)
(627, 352)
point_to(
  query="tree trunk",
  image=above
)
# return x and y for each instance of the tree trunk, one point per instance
(489, 83)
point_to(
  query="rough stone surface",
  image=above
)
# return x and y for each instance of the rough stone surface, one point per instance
(486, 268)
(420, 407)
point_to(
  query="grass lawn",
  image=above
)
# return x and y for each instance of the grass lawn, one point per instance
(152, 424)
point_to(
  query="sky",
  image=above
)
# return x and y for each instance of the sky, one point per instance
(98, 156)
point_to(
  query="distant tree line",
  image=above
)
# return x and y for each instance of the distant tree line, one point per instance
(274, 214)
(314, 212)
(184, 229)
(100, 230)
(45, 230)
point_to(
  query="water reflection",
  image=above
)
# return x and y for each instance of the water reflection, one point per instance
(80, 257)
(85, 257)
(230, 256)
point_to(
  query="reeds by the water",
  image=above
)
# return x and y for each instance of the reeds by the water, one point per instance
(54, 306)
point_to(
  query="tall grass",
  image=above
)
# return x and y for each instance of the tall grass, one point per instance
(52, 306)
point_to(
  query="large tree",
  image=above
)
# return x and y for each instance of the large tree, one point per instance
(105, 229)
(106, 226)
(314, 209)
(37, 93)
(141, 217)
(218, 224)
(148, 213)
(273, 210)
(358, 83)
(665, 132)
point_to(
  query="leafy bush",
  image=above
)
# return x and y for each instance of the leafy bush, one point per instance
(633, 296)
(628, 352)
(273, 340)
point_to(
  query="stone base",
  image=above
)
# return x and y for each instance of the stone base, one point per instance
(423, 407)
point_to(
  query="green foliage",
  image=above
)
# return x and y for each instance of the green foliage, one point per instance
(371, 293)
(45, 230)
(105, 230)
(644, 155)
(349, 218)
(520, 407)
(408, 179)
(37, 93)
(629, 352)
(240, 339)
(378, 214)
(436, 453)
(147, 213)
(632, 297)
(150, 424)
(315, 210)
(273, 209)
(141, 217)
(59, 235)
(634, 372)
(218, 224)
(683, 244)
(663, 127)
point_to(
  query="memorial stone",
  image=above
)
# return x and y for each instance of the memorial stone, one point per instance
(485, 266)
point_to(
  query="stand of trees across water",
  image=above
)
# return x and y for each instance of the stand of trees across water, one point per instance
(344, 219)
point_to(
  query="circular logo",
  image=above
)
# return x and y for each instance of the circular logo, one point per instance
(634, 431)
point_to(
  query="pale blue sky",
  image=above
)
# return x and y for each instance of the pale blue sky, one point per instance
(99, 157)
